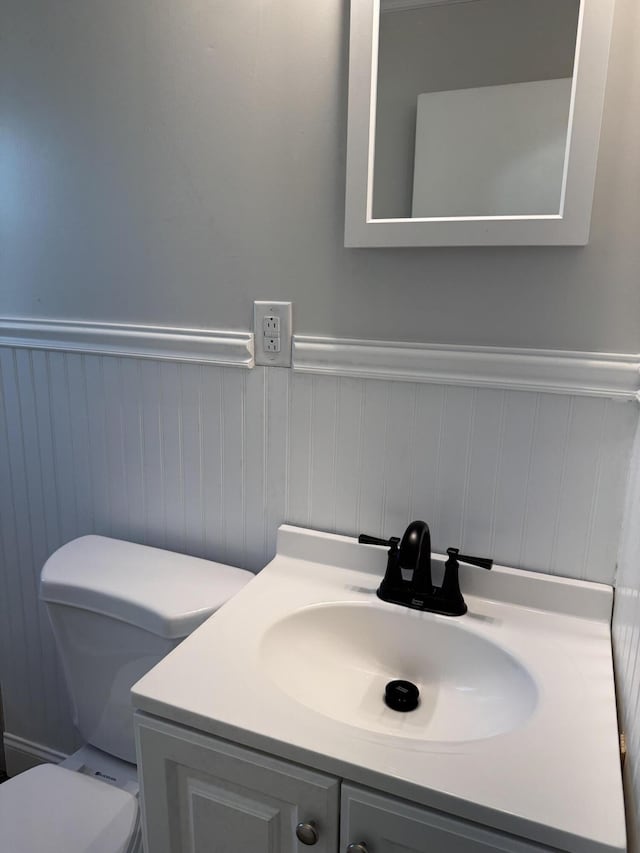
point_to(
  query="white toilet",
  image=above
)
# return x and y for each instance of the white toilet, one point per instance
(116, 610)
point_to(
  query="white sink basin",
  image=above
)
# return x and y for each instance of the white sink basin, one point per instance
(337, 658)
(516, 728)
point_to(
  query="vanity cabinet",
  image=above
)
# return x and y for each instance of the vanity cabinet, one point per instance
(201, 794)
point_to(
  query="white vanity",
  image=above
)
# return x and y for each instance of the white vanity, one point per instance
(265, 730)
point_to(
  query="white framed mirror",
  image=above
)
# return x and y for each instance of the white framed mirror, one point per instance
(474, 122)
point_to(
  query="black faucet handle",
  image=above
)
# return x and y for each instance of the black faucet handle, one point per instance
(393, 574)
(365, 539)
(481, 562)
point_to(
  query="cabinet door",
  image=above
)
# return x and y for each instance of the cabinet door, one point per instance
(383, 824)
(204, 795)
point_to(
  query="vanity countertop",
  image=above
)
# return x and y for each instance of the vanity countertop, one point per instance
(554, 780)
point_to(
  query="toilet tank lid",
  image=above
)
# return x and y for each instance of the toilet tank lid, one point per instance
(163, 592)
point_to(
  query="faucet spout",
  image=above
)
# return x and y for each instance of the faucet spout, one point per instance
(415, 556)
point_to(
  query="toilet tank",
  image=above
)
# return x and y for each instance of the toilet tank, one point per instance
(116, 609)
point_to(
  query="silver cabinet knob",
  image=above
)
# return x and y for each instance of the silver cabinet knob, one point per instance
(307, 833)
(361, 847)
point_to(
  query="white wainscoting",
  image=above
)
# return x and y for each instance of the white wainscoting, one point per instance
(626, 645)
(209, 460)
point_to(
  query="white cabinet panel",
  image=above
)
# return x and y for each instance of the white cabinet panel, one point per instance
(385, 825)
(200, 794)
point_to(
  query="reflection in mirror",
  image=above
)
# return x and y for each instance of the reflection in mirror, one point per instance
(472, 111)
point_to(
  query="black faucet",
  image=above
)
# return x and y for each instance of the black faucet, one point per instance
(414, 555)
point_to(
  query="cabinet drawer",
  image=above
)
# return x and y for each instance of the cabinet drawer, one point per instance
(386, 825)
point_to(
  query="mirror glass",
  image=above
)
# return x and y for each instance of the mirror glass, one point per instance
(472, 107)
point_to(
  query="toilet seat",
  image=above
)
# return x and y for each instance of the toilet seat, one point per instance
(53, 810)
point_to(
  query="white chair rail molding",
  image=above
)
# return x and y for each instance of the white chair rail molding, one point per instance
(614, 375)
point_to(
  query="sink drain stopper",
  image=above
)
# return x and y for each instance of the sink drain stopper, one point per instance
(401, 695)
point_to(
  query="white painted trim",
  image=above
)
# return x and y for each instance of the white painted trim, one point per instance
(202, 346)
(401, 5)
(551, 371)
(24, 754)
(614, 375)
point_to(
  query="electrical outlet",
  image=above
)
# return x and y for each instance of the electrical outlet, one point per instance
(272, 344)
(272, 333)
(271, 325)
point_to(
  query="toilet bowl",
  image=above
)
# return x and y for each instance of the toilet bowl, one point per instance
(116, 609)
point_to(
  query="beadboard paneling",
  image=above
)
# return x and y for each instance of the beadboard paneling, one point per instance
(209, 460)
(626, 645)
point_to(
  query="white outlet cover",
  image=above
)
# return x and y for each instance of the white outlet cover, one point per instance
(281, 310)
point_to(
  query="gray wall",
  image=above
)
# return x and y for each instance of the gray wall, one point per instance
(460, 46)
(169, 162)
